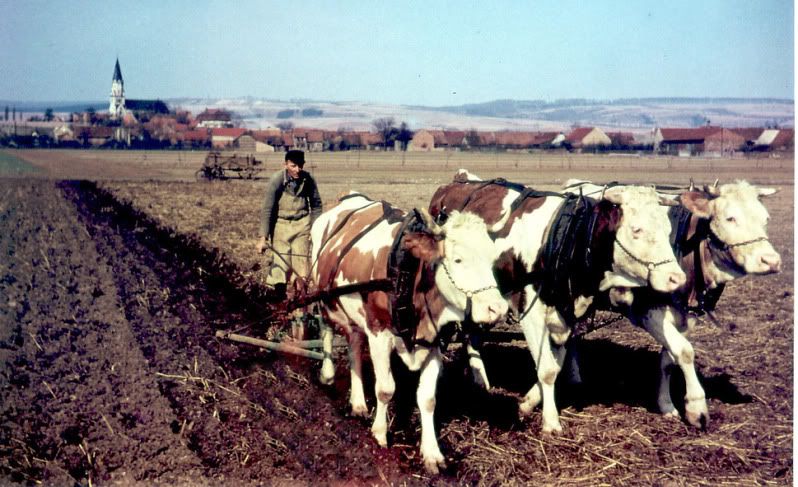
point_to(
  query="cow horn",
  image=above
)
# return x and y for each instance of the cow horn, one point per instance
(713, 190)
(692, 185)
(429, 222)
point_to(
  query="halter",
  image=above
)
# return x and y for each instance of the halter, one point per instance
(723, 246)
(468, 293)
(650, 265)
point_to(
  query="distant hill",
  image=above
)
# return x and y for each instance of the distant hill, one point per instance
(632, 114)
(628, 114)
(641, 112)
(57, 106)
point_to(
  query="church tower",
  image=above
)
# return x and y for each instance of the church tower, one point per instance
(117, 106)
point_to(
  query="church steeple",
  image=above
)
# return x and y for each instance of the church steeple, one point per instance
(117, 73)
(117, 106)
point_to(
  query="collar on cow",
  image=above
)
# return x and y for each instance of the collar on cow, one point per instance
(692, 235)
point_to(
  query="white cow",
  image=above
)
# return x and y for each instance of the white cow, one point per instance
(723, 237)
(451, 278)
(554, 252)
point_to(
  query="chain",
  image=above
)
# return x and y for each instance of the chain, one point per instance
(649, 264)
(468, 294)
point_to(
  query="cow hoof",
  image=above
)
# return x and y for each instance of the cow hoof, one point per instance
(696, 413)
(525, 408)
(698, 419)
(360, 410)
(482, 382)
(552, 429)
(326, 378)
(434, 465)
(673, 414)
(381, 437)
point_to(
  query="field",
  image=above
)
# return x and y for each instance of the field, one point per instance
(118, 268)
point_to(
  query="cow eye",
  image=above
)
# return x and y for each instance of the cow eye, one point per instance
(731, 219)
(458, 261)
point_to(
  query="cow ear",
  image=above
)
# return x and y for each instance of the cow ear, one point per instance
(767, 191)
(668, 201)
(697, 202)
(614, 195)
(422, 246)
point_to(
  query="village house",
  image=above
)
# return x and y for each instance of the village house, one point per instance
(422, 141)
(222, 138)
(586, 137)
(723, 142)
(214, 118)
(195, 139)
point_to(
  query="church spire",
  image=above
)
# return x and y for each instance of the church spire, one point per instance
(117, 72)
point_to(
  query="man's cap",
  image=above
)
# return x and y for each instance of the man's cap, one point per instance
(295, 156)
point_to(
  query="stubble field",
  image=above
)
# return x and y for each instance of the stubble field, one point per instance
(118, 267)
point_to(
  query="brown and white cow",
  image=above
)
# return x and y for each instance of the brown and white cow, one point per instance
(453, 278)
(550, 287)
(720, 235)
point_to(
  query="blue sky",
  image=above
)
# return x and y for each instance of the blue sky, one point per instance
(409, 52)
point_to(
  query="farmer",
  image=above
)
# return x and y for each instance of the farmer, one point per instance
(291, 205)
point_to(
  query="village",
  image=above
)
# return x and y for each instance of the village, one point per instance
(151, 124)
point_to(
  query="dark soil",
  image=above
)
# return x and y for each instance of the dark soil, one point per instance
(111, 371)
(111, 374)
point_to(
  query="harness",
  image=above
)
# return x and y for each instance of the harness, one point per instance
(566, 263)
(402, 273)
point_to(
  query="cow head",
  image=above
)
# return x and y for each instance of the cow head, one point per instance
(738, 223)
(463, 256)
(642, 248)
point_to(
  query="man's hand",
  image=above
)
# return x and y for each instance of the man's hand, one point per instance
(261, 245)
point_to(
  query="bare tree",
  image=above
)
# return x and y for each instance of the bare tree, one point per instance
(385, 127)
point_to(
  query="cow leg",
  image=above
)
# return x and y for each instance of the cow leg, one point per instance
(381, 346)
(538, 340)
(661, 323)
(327, 373)
(356, 398)
(425, 397)
(478, 372)
(664, 401)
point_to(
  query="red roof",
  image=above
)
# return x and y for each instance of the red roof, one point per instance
(621, 138)
(228, 132)
(683, 135)
(215, 114)
(748, 133)
(578, 134)
(195, 135)
(541, 138)
(785, 138)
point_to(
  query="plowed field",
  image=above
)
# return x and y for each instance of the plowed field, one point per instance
(112, 288)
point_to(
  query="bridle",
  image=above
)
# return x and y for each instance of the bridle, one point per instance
(650, 265)
(724, 247)
(469, 294)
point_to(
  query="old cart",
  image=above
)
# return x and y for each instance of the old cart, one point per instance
(222, 166)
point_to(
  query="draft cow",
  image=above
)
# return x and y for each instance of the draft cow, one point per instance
(719, 234)
(555, 250)
(395, 279)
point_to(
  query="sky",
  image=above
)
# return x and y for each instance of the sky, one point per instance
(425, 52)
